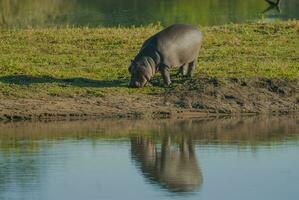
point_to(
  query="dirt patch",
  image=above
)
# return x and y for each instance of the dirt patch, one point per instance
(59, 108)
(234, 95)
(196, 97)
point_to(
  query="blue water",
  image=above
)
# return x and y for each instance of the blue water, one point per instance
(96, 161)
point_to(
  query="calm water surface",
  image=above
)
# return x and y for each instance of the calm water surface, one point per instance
(248, 158)
(44, 13)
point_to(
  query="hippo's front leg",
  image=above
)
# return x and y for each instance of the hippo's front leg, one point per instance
(165, 75)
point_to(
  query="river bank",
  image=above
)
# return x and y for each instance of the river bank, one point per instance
(79, 73)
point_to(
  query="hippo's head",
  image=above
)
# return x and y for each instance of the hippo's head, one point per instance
(141, 72)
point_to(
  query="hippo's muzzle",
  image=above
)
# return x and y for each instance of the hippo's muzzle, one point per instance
(135, 84)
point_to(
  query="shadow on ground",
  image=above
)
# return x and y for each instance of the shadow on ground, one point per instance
(76, 81)
(82, 82)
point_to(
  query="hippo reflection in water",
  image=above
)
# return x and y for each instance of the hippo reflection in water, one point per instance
(173, 168)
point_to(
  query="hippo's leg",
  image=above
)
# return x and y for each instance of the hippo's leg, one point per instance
(165, 75)
(182, 70)
(191, 66)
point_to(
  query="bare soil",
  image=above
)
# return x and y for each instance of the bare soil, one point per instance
(194, 98)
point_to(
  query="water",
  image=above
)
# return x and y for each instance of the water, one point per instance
(45, 13)
(229, 158)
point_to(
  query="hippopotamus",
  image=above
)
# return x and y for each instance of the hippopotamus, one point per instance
(177, 46)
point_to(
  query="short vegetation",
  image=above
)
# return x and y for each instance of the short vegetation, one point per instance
(72, 62)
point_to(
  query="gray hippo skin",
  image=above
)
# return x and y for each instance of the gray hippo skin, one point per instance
(177, 46)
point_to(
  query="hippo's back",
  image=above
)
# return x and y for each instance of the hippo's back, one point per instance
(178, 44)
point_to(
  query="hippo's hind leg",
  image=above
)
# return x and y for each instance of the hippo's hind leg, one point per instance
(191, 67)
(182, 70)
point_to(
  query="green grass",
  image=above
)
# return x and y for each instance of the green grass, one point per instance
(73, 62)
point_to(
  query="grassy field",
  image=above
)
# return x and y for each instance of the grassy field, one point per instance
(75, 62)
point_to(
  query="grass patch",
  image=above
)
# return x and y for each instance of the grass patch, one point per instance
(93, 61)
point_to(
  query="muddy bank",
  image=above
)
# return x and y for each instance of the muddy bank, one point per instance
(186, 98)
(232, 95)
